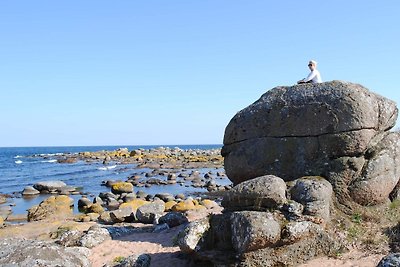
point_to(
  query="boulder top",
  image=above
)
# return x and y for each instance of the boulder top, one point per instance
(312, 110)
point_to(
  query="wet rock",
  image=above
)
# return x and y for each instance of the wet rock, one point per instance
(122, 187)
(84, 202)
(49, 185)
(30, 191)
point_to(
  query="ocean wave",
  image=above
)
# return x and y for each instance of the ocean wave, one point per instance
(49, 161)
(107, 168)
(18, 156)
(18, 161)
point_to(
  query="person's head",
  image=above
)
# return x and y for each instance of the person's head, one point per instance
(312, 64)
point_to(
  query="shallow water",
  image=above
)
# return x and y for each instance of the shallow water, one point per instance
(20, 167)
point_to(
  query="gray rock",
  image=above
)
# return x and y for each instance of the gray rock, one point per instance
(315, 193)
(252, 230)
(124, 214)
(84, 202)
(260, 193)
(329, 129)
(148, 213)
(105, 218)
(30, 191)
(173, 219)
(142, 260)
(391, 260)
(295, 231)
(70, 238)
(189, 239)
(380, 174)
(94, 236)
(49, 185)
(129, 197)
(35, 253)
(165, 196)
(5, 211)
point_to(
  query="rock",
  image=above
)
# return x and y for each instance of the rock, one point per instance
(160, 228)
(67, 160)
(122, 187)
(184, 206)
(391, 260)
(252, 230)
(84, 202)
(94, 236)
(379, 177)
(190, 238)
(30, 191)
(173, 219)
(129, 197)
(49, 185)
(52, 207)
(70, 238)
(105, 218)
(142, 260)
(35, 253)
(295, 231)
(1, 221)
(5, 211)
(338, 130)
(165, 197)
(124, 214)
(315, 193)
(209, 204)
(150, 212)
(95, 208)
(169, 205)
(3, 199)
(261, 193)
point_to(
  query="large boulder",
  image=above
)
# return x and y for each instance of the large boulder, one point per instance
(35, 253)
(50, 208)
(338, 130)
(261, 193)
(49, 185)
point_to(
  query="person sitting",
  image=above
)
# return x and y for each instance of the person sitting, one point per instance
(314, 76)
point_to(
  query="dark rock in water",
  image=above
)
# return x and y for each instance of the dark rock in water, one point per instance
(391, 260)
(49, 185)
(67, 160)
(30, 191)
(28, 253)
(338, 130)
(84, 202)
(261, 193)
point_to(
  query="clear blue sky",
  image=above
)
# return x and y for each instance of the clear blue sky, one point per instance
(175, 72)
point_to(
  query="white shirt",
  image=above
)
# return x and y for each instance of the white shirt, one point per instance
(314, 77)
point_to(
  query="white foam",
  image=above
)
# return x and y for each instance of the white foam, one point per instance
(17, 157)
(18, 161)
(50, 161)
(107, 168)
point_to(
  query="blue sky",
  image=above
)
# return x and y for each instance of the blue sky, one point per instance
(175, 72)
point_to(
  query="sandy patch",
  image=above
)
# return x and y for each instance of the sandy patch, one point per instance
(158, 245)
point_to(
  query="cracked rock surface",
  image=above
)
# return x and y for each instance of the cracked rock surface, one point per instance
(338, 130)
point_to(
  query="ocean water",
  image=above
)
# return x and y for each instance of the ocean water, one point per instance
(23, 166)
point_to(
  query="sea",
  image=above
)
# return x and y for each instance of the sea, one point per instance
(25, 166)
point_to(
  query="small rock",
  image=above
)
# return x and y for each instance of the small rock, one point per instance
(30, 191)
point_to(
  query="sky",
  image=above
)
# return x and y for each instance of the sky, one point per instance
(159, 72)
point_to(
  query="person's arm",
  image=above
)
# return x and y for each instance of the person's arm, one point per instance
(310, 76)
